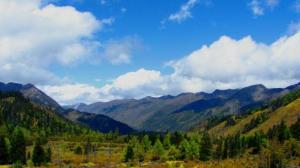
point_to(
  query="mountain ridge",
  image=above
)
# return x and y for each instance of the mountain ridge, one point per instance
(183, 111)
(33, 93)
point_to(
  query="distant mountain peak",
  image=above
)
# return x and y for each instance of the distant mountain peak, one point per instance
(33, 93)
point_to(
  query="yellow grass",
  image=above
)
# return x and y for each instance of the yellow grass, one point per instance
(288, 113)
(222, 130)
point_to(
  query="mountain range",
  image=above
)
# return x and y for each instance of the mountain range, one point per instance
(182, 112)
(99, 122)
(166, 113)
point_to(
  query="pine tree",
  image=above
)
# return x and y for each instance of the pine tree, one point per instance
(194, 147)
(78, 150)
(206, 147)
(146, 143)
(18, 147)
(174, 153)
(225, 150)
(129, 153)
(139, 152)
(295, 129)
(219, 149)
(4, 154)
(38, 154)
(158, 150)
(185, 149)
(284, 132)
(167, 141)
(48, 155)
(177, 138)
(257, 142)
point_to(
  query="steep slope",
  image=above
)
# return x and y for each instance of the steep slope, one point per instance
(98, 122)
(183, 111)
(34, 94)
(17, 111)
(136, 112)
(286, 108)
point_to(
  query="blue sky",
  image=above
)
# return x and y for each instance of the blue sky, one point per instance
(150, 45)
(162, 43)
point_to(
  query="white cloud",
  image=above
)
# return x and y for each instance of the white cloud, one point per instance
(184, 12)
(108, 21)
(226, 63)
(35, 35)
(72, 93)
(256, 8)
(230, 63)
(259, 7)
(121, 51)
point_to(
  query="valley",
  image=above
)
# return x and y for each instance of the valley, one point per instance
(217, 135)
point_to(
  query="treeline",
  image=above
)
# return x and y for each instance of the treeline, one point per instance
(194, 146)
(13, 150)
(177, 146)
(17, 111)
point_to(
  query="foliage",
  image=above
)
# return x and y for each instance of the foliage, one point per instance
(4, 153)
(18, 147)
(206, 147)
(38, 154)
(78, 150)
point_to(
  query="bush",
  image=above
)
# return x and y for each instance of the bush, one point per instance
(78, 150)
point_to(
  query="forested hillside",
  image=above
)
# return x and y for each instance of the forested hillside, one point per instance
(98, 122)
(286, 108)
(17, 111)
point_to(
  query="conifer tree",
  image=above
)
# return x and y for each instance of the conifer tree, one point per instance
(18, 147)
(78, 150)
(284, 132)
(174, 153)
(48, 155)
(219, 150)
(295, 129)
(225, 150)
(177, 138)
(185, 149)
(129, 153)
(38, 154)
(167, 141)
(146, 143)
(206, 147)
(4, 154)
(158, 150)
(194, 147)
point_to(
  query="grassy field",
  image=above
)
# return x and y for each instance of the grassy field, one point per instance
(288, 113)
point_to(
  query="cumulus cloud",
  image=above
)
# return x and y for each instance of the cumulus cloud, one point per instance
(230, 63)
(36, 34)
(121, 50)
(71, 93)
(259, 7)
(33, 37)
(226, 63)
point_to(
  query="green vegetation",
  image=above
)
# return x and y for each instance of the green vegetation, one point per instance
(36, 136)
